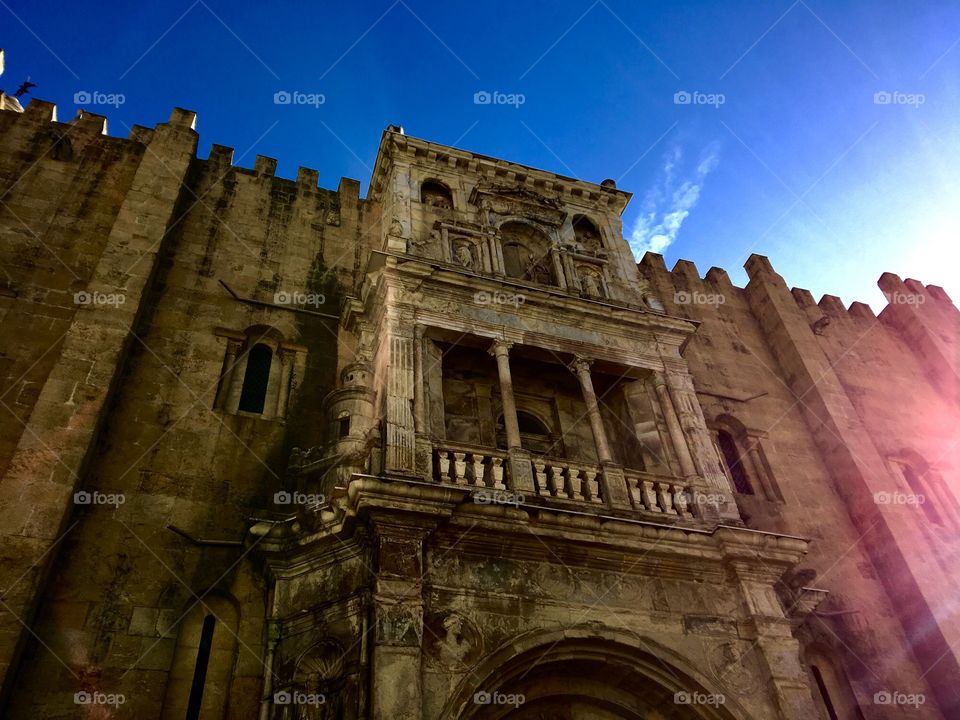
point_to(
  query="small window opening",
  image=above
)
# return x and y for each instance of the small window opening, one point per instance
(200, 669)
(254, 393)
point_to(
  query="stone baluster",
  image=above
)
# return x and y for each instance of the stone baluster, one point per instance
(649, 496)
(592, 485)
(665, 498)
(476, 469)
(443, 465)
(556, 481)
(574, 483)
(541, 476)
(680, 501)
(460, 468)
(496, 473)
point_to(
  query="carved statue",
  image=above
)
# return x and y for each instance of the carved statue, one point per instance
(590, 285)
(463, 255)
(396, 228)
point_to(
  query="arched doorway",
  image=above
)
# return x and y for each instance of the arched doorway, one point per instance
(589, 678)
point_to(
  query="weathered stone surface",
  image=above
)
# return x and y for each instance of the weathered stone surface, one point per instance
(446, 448)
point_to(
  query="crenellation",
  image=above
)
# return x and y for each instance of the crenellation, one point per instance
(719, 277)
(803, 297)
(832, 306)
(220, 156)
(90, 122)
(653, 263)
(40, 111)
(861, 311)
(308, 179)
(265, 166)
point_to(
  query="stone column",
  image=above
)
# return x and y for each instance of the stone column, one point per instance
(501, 351)
(400, 440)
(612, 481)
(226, 381)
(581, 366)
(521, 472)
(283, 392)
(419, 403)
(673, 427)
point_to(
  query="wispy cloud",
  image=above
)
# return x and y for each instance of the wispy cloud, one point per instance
(671, 198)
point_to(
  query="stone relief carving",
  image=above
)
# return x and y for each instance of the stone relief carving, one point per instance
(453, 641)
(735, 666)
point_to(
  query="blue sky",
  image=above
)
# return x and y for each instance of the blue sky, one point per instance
(739, 126)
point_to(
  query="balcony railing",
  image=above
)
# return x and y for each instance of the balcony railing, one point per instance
(562, 480)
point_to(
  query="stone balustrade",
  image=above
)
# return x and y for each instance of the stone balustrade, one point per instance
(564, 480)
(477, 467)
(653, 493)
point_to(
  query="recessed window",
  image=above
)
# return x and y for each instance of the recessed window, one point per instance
(733, 461)
(343, 427)
(254, 393)
(200, 669)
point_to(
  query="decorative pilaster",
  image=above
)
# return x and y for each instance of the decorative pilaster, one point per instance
(399, 412)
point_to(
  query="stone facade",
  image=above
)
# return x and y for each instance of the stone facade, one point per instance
(275, 451)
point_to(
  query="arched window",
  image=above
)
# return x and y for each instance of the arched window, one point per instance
(526, 253)
(535, 435)
(255, 380)
(733, 462)
(832, 688)
(436, 194)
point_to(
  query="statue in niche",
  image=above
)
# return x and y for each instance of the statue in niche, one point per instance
(454, 640)
(463, 254)
(590, 283)
(538, 269)
(396, 228)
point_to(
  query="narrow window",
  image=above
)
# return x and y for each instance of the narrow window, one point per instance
(922, 497)
(824, 695)
(200, 669)
(254, 393)
(731, 457)
(343, 427)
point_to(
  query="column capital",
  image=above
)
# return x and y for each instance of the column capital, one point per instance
(500, 348)
(581, 363)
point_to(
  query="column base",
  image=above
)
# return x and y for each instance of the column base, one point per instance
(613, 487)
(521, 471)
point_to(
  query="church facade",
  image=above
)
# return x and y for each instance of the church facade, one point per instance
(275, 451)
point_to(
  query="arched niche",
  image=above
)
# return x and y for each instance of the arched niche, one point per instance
(527, 253)
(586, 235)
(436, 194)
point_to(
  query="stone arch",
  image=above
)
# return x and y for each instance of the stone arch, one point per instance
(609, 672)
